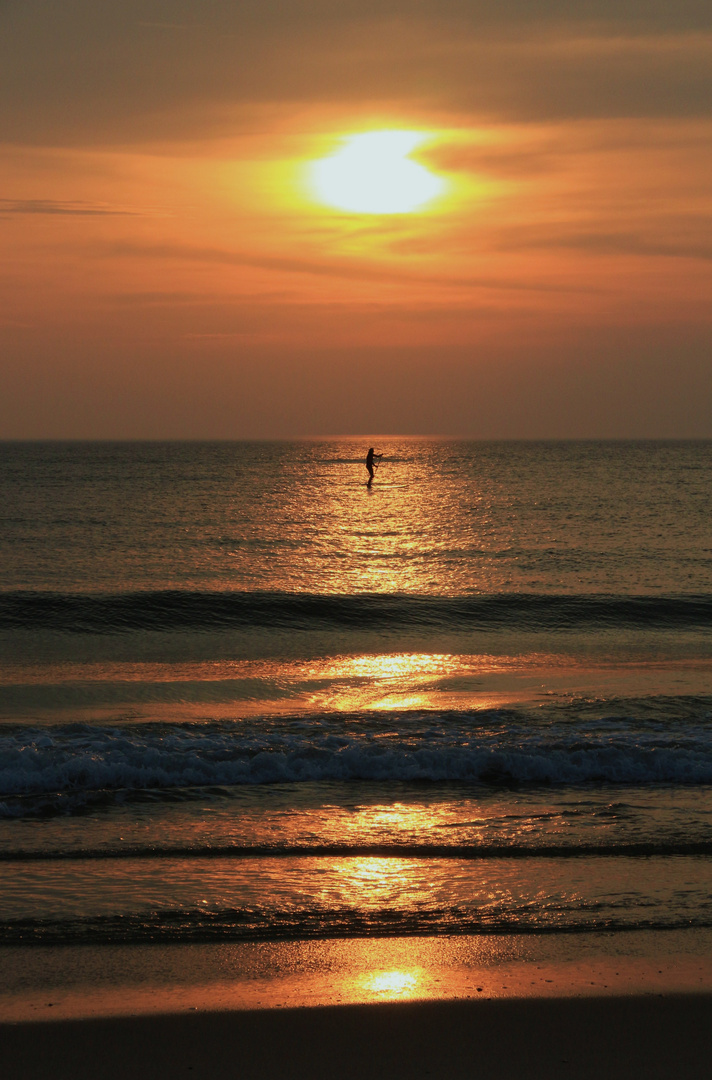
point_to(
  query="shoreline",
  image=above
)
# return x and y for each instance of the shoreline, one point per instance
(90, 982)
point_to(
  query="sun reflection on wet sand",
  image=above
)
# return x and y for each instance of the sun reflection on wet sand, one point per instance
(392, 985)
(135, 980)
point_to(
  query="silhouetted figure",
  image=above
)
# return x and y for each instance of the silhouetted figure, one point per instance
(369, 465)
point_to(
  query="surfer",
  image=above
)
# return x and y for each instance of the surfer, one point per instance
(369, 464)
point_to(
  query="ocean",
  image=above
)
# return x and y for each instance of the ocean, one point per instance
(245, 698)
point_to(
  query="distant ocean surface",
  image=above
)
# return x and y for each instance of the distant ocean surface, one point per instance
(244, 697)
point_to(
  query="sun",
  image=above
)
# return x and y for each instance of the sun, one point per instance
(374, 174)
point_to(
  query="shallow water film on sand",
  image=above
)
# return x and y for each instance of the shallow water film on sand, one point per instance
(244, 697)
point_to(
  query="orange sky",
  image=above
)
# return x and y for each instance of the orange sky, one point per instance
(166, 270)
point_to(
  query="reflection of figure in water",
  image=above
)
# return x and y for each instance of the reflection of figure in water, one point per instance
(369, 465)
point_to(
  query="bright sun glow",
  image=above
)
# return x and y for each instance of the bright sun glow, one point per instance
(373, 174)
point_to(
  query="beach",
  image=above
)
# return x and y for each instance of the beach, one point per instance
(639, 1006)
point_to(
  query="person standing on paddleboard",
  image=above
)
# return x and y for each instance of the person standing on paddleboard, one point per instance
(369, 464)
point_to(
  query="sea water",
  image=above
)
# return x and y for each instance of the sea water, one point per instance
(245, 697)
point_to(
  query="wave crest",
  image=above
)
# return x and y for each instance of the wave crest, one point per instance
(176, 610)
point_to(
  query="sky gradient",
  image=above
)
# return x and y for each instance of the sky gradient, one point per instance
(168, 271)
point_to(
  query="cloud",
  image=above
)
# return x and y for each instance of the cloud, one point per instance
(332, 268)
(615, 243)
(96, 72)
(53, 206)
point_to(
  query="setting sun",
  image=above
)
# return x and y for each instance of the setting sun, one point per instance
(374, 174)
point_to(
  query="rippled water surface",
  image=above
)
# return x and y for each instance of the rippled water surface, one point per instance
(442, 518)
(243, 696)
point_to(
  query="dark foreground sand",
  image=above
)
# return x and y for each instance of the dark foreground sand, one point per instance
(605, 1038)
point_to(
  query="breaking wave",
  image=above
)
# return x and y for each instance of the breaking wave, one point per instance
(61, 768)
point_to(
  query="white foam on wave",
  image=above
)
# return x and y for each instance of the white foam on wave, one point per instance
(78, 760)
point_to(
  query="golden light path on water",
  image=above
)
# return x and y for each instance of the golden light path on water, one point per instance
(387, 682)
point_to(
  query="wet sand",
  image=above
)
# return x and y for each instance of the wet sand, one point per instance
(604, 1038)
(72, 982)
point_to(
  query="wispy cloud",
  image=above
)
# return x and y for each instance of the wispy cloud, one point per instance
(333, 268)
(96, 72)
(166, 25)
(54, 206)
(611, 243)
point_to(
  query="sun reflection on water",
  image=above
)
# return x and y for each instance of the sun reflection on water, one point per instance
(397, 537)
(386, 682)
(372, 882)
